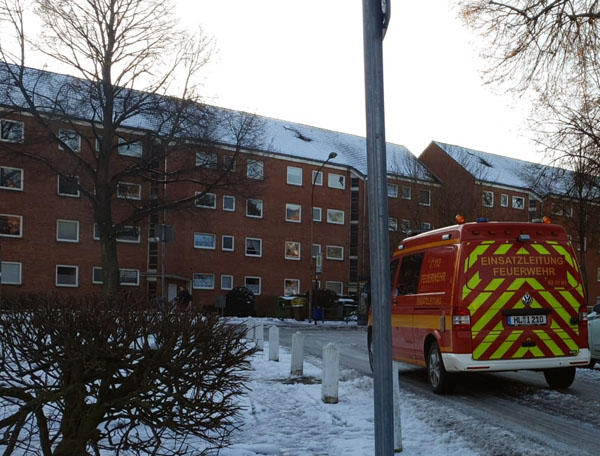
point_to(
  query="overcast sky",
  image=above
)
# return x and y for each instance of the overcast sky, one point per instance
(303, 61)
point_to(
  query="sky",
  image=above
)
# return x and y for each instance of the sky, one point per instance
(302, 61)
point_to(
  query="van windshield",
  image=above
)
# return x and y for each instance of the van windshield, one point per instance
(518, 265)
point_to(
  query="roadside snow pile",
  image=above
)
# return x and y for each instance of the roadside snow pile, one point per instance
(285, 416)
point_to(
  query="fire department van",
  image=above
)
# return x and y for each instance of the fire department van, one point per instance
(488, 296)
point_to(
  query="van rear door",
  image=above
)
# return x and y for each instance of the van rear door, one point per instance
(524, 297)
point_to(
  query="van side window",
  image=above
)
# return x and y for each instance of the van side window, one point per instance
(410, 271)
(393, 270)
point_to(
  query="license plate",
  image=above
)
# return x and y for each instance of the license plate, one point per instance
(526, 320)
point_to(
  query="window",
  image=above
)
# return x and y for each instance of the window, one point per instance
(405, 226)
(130, 148)
(129, 234)
(334, 216)
(504, 200)
(488, 199)
(569, 211)
(254, 208)
(208, 200)
(67, 276)
(253, 247)
(206, 160)
(597, 274)
(293, 213)
(11, 178)
(291, 287)
(406, 193)
(71, 139)
(425, 197)
(12, 131)
(532, 204)
(557, 209)
(334, 252)
(255, 170)
(317, 214)
(392, 190)
(67, 231)
(227, 243)
(393, 224)
(204, 281)
(294, 175)
(316, 250)
(336, 181)
(317, 178)
(518, 202)
(226, 282)
(11, 225)
(253, 284)
(229, 203)
(228, 163)
(425, 226)
(204, 241)
(410, 271)
(337, 287)
(292, 250)
(68, 186)
(10, 273)
(130, 191)
(127, 277)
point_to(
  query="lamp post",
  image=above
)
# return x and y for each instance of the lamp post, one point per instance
(313, 279)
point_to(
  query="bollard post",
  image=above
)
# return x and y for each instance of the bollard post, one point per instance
(259, 335)
(297, 367)
(250, 329)
(397, 425)
(273, 343)
(329, 387)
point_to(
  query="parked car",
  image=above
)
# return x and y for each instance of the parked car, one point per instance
(594, 334)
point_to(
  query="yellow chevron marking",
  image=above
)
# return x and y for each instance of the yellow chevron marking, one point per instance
(476, 253)
(569, 259)
(522, 251)
(512, 337)
(472, 283)
(502, 249)
(540, 249)
(565, 338)
(535, 284)
(487, 316)
(478, 301)
(568, 296)
(494, 284)
(487, 341)
(545, 337)
(517, 283)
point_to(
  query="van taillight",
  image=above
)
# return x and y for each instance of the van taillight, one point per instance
(461, 319)
(583, 321)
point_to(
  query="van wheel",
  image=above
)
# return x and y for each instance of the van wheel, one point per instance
(561, 377)
(439, 379)
(370, 348)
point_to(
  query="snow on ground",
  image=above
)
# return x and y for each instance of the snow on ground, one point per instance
(284, 415)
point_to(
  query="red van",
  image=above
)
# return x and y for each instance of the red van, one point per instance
(488, 296)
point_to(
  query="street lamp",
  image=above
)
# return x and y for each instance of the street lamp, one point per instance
(313, 259)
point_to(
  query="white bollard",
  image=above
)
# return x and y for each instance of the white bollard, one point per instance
(397, 425)
(273, 343)
(259, 335)
(250, 329)
(329, 387)
(297, 367)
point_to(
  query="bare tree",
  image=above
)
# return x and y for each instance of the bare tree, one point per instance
(136, 90)
(92, 376)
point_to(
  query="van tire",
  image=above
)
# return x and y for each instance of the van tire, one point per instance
(370, 348)
(561, 377)
(439, 378)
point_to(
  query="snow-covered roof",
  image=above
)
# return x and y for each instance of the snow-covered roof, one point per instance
(79, 99)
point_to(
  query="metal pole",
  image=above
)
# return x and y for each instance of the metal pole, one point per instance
(374, 20)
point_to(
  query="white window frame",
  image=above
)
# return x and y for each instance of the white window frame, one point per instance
(21, 180)
(336, 181)
(230, 198)
(392, 191)
(255, 169)
(130, 241)
(20, 217)
(317, 178)
(256, 293)
(70, 195)
(490, 200)
(291, 257)
(504, 200)
(207, 275)
(228, 160)
(223, 243)
(332, 216)
(569, 212)
(63, 221)
(128, 193)
(318, 248)
(320, 212)
(329, 283)
(69, 136)
(294, 289)
(63, 285)
(597, 274)
(259, 255)
(259, 204)
(425, 225)
(428, 192)
(130, 148)
(226, 276)
(213, 197)
(3, 267)
(392, 224)
(207, 160)
(515, 199)
(293, 207)
(556, 209)
(405, 225)
(407, 196)
(334, 258)
(122, 274)
(6, 138)
(213, 246)
(294, 176)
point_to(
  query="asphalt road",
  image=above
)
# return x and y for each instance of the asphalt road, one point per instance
(512, 413)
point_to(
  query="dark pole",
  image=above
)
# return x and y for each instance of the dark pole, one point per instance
(375, 18)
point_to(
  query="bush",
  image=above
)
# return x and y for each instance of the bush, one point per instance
(240, 303)
(82, 376)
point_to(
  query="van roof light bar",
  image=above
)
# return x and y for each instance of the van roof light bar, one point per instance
(524, 237)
